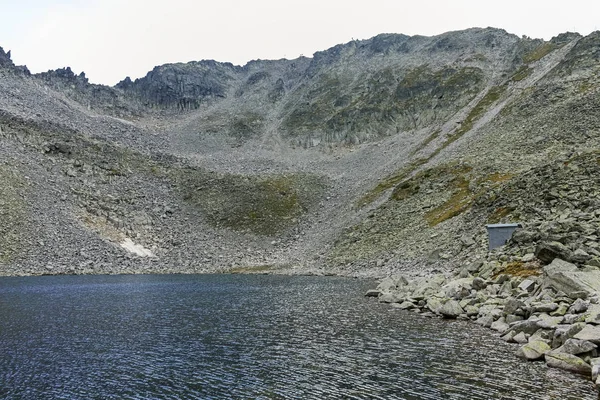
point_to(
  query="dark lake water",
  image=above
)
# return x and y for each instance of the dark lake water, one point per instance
(247, 337)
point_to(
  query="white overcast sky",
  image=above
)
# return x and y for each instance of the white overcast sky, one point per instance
(112, 39)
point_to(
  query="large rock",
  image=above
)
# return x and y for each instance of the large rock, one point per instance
(387, 285)
(529, 327)
(390, 298)
(592, 315)
(566, 277)
(548, 251)
(533, 350)
(451, 309)
(512, 305)
(545, 321)
(527, 285)
(567, 362)
(500, 325)
(434, 304)
(544, 307)
(590, 333)
(580, 306)
(577, 346)
(566, 332)
(459, 288)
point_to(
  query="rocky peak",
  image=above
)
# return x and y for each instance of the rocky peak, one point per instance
(5, 58)
(6, 62)
(183, 86)
(64, 76)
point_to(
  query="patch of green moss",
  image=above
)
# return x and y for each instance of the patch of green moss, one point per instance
(261, 205)
(521, 74)
(460, 200)
(405, 190)
(539, 52)
(12, 213)
(246, 125)
(390, 182)
(499, 213)
(491, 97)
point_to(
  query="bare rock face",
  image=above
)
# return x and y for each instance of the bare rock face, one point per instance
(182, 86)
(567, 278)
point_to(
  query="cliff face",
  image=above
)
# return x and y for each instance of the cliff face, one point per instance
(367, 157)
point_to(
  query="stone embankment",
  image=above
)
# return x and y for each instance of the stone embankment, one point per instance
(546, 304)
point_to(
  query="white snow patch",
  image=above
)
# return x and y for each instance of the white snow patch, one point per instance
(137, 249)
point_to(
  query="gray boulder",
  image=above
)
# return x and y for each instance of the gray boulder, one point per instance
(434, 304)
(565, 332)
(534, 350)
(590, 333)
(543, 308)
(451, 309)
(527, 285)
(566, 277)
(386, 285)
(576, 346)
(521, 338)
(567, 362)
(479, 283)
(512, 305)
(548, 251)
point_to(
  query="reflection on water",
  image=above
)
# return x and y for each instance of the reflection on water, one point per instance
(247, 337)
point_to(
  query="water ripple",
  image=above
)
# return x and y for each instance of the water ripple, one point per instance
(247, 337)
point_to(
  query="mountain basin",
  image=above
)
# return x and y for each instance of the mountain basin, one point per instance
(247, 337)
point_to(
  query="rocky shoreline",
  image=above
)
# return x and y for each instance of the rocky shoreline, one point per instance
(552, 311)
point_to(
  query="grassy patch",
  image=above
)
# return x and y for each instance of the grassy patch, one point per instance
(246, 125)
(498, 177)
(499, 213)
(521, 74)
(405, 190)
(391, 181)
(539, 52)
(521, 269)
(492, 96)
(261, 205)
(460, 200)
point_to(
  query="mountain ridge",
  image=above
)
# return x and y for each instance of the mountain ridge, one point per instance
(371, 157)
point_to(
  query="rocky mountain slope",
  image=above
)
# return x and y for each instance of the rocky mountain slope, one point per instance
(370, 157)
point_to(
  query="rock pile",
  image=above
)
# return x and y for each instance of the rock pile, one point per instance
(552, 311)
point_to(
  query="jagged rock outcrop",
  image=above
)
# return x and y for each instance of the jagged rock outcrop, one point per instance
(7, 63)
